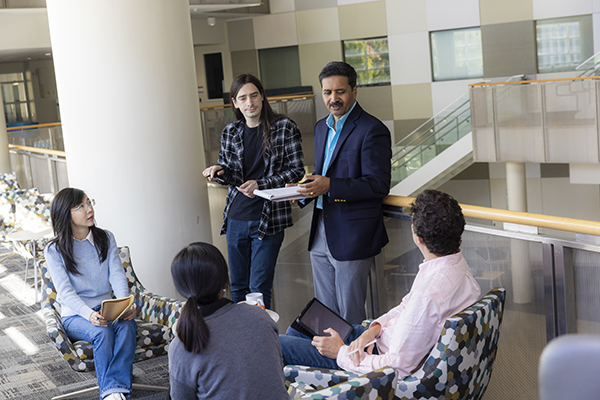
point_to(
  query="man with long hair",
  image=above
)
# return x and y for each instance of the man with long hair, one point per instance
(260, 150)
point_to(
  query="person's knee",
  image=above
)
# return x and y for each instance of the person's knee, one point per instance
(103, 335)
(127, 328)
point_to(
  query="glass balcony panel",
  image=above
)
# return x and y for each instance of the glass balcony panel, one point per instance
(519, 117)
(571, 122)
(587, 291)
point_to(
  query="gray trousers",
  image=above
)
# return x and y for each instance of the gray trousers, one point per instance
(340, 285)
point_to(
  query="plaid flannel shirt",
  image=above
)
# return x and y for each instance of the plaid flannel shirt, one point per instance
(286, 165)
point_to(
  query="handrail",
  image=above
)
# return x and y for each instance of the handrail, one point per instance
(272, 98)
(585, 62)
(534, 81)
(515, 217)
(38, 150)
(17, 128)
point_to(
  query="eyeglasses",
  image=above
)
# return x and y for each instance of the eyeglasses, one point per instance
(85, 206)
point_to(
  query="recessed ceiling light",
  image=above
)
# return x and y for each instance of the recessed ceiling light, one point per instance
(48, 54)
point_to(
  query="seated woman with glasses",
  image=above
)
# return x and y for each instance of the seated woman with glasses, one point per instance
(222, 350)
(85, 267)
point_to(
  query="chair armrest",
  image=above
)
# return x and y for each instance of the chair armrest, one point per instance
(157, 309)
(378, 384)
(317, 378)
(57, 333)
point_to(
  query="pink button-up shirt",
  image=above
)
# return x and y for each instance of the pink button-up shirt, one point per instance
(442, 287)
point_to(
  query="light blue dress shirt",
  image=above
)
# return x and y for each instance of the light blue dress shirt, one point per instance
(333, 135)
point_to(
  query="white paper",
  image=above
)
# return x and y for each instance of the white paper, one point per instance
(280, 194)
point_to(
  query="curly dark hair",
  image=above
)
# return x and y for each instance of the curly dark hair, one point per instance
(439, 221)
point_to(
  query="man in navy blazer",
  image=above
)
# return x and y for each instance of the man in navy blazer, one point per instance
(352, 176)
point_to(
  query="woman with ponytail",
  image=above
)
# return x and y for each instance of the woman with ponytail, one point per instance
(85, 267)
(222, 350)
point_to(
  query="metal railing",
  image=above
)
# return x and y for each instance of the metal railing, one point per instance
(37, 156)
(590, 66)
(431, 139)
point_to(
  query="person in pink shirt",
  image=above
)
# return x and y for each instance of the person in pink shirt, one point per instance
(405, 335)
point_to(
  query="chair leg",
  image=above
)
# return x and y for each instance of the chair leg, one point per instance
(6, 257)
(76, 394)
(25, 280)
(142, 386)
(139, 386)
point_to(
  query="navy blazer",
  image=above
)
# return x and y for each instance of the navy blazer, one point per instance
(360, 174)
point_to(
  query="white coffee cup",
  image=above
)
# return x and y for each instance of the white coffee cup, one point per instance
(257, 297)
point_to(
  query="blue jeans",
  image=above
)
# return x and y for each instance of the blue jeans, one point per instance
(297, 349)
(114, 348)
(251, 260)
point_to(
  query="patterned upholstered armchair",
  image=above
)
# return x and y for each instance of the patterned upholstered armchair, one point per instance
(317, 383)
(156, 316)
(459, 365)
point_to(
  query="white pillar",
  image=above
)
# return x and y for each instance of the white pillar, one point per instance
(126, 81)
(516, 186)
(4, 154)
(516, 190)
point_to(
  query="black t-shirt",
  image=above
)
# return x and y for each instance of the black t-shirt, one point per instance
(244, 208)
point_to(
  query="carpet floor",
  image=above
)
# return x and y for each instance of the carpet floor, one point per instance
(30, 366)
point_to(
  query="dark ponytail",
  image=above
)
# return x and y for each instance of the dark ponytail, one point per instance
(199, 273)
(191, 328)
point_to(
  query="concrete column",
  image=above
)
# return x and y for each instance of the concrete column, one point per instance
(516, 189)
(126, 82)
(4, 154)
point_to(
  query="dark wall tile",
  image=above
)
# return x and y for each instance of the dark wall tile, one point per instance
(509, 49)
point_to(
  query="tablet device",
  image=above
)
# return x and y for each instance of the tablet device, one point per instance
(316, 317)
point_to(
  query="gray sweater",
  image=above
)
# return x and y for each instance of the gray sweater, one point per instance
(241, 361)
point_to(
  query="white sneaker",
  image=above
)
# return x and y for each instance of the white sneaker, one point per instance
(115, 396)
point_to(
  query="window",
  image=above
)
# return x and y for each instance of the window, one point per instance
(563, 43)
(456, 54)
(15, 97)
(371, 60)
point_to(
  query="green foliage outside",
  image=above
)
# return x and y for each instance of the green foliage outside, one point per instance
(370, 58)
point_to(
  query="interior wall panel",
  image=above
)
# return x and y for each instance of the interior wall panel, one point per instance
(314, 4)
(316, 26)
(241, 34)
(544, 9)
(410, 60)
(498, 12)
(277, 30)
(509, 49)
(443, 14)
(412, 101)
(376, 100)
(406, 16)
(363, 20)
